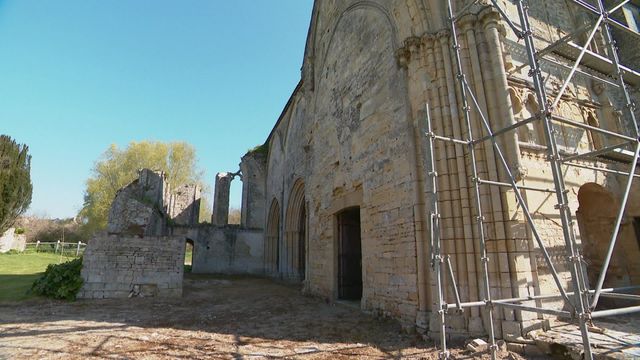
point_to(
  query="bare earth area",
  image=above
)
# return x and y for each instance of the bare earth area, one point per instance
(230, 318)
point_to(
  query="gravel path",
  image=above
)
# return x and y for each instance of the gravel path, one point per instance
(218, 317)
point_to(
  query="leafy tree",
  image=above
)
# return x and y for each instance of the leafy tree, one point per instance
(118, 167)
(15, 181)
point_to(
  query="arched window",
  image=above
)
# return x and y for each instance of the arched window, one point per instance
(272, 239)
(296, 233)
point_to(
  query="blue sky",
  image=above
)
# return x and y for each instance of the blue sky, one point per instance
(79, 75)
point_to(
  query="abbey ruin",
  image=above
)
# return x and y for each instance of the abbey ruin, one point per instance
(341, 199)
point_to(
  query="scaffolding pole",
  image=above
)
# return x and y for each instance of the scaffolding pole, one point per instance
(581, 301)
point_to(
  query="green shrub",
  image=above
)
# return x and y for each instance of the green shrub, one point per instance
(260, 149)
(19, 231)
(61, 281)
(187, 268)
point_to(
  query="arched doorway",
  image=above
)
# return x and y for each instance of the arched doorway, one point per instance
(272, 239)
(596, 217)
(296, 233)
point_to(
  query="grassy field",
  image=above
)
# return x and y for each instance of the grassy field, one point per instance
(18, 272)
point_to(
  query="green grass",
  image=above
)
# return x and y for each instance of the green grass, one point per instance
(19, 270)
(188, 257)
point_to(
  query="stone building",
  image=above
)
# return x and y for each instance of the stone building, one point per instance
(142, 252)
(338, 200)
(346, 197)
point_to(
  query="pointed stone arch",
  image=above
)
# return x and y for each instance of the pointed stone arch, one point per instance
(295, 234)
(272, 239)
(595, 215)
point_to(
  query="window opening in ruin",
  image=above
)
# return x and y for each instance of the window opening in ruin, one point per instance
(349, 255)
(188, 255)
(632, 16)
(636, 226)
(235, 201)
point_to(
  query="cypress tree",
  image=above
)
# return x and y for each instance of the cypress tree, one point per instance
(15, 181)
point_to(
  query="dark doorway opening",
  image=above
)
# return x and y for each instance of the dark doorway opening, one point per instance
(636, 226)
(349, 255)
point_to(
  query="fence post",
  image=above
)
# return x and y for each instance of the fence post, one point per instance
(57, 245)
(78, 249)
(37, 245)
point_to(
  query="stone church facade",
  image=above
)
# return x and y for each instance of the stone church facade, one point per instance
(338, 199)
(346, 196)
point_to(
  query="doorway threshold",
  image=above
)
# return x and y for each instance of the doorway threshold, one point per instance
(354, 304)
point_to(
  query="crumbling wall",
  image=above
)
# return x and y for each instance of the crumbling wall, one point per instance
(185, 205)
(225, 250)
(119, 266)
(139, 208)
(145, 205)
(12, 241)
(254, 173)
(220, 214)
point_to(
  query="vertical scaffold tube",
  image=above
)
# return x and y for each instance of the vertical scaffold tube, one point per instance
(474, 173)
(436, 255)
(558, 179)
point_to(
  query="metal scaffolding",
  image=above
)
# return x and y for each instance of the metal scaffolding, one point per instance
(581, 301)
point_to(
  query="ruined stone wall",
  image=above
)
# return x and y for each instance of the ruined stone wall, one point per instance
(185, 205)
(147, 204)
(254, 172)
(220, 215)
(12, 241)
(141, 207)
(119, 266)
(225, 250)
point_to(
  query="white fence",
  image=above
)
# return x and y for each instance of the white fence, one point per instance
(58, 247)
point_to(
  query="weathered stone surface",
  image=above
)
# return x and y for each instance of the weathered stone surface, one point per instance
(116, 266)
(351, 136)
(225, 250)
(220, 214)
(254, 173)
(12, 241)
(139, 208)
(185, 205)
(148, 204)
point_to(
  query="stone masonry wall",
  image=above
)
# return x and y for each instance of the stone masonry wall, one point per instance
(225, 250)
(125, 266)
(253, 166)
(12, 241)
(185, 205)
(349, 141)
(353, 134)
(139, 208)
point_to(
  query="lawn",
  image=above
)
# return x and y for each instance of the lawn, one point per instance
(19, 270)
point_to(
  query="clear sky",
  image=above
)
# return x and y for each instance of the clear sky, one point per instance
(79, 75)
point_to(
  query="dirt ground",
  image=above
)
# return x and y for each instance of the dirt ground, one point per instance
(218, 317)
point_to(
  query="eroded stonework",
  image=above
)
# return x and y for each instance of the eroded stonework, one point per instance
(340, 201)
(351, 137)
(120, 266)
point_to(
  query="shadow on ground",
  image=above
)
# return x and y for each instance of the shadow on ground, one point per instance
(218, 317)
